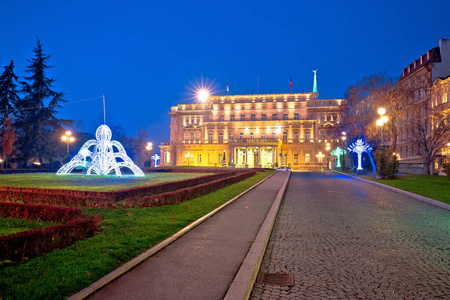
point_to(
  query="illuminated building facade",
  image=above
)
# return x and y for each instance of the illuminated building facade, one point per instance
(418, 78)
(440, 110)
(262, 130)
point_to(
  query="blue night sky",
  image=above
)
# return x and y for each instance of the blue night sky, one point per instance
(143, 55)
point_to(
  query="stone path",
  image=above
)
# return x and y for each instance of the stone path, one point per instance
(346, 239)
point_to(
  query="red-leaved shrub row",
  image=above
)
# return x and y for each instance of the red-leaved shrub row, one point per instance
(76, 198)
(186, 193)
(33, 242)
(45, 213)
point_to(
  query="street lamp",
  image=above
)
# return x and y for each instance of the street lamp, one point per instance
(149, 148)
(327, 148)
(344, 138)
(320, 156)
(68, 138)
(381, 121)
(188, 156)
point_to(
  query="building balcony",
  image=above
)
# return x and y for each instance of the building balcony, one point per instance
(254, 141)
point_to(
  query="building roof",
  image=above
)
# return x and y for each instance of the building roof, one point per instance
(433, 55)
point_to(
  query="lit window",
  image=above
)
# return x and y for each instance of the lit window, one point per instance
(296, 135)
(242, 117)
(295, 158)
(231, 136)
(253, 117)
(296, 116)
(307, 135)
(231, 117)
(274, 116)
(307, 158)
(210, 136)
(252, 135)
(284, 136)
(264, 117)
(285, 116)
(199, 157)
(192, 136)
(274, 135)
(241, 135)
(221, 136)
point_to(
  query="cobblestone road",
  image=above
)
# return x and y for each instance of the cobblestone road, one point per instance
(346, 239)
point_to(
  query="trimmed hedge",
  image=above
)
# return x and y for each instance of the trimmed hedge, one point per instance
(44, 213)
(34, 242)
(185, 193)
(76, 198)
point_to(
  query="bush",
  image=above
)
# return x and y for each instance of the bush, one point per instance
(386, 164)
(446, 168)
(45, 213)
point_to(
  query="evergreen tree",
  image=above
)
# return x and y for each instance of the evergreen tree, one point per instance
(37, 110)
(8, 100)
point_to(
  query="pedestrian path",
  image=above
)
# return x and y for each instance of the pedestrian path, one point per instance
(202, 263)
(342, 238)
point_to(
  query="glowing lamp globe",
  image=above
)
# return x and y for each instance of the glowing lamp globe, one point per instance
(203, 95)
(381, 111)
(384, 119)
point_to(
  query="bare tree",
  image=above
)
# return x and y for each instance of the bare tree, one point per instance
(429, 135)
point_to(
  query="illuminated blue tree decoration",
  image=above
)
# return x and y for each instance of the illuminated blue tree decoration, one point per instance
(359, 147)
(338, 152)
(102, 159)
(155, 159)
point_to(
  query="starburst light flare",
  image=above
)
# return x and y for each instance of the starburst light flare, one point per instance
(359, 147)
(102, 160)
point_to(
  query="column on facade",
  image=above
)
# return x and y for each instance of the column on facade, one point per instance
(225, 133)
(290, 136)
(215, 134)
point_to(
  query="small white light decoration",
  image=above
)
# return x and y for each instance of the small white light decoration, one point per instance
(359, 147)
(103, 159)
(155, 159)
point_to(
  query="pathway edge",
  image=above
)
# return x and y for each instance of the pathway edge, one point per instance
(245, 278)
(399, 191)
(158, 247)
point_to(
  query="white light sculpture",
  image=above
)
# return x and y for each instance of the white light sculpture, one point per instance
(359, 147)
(155, 159)
(102, 159)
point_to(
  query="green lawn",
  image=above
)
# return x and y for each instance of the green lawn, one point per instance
(128, 233)
(432, 186)
(11, 225)
(90, 183)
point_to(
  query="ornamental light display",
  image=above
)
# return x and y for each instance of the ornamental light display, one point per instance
(102, 159)
(155, 159)
(338, 152)
(359, 147)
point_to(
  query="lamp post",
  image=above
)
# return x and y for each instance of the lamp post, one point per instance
(343, 138)
(188, 156)
(381, 121)
(68, 138)
(320, 156)
(327, 148)
(149, 148)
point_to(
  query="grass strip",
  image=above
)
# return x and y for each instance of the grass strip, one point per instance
(431, 186)
(90, 183)
(129, 232)
(12, 225)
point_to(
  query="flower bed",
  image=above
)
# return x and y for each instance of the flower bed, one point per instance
(185, 193)
(37, 241)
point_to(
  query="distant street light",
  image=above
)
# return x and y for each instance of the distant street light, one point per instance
(68, 138)
(188, 156)
(381, 121)
(320, 156)
(149, 148)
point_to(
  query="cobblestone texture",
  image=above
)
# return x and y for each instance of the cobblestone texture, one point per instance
(346, 239)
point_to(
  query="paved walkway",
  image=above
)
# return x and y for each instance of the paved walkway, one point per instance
(202, 263)
(347, 239)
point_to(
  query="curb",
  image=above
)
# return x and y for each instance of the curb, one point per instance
(242, 284)
(399, 191)
(138, 259)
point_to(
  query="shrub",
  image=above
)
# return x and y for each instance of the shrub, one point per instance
(44, 213)
(386, 164)
(446, 168)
